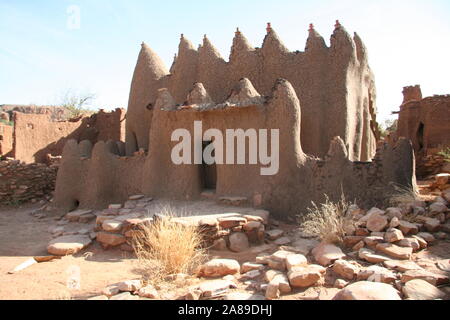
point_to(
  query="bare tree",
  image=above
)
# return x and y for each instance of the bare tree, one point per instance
(77, 104)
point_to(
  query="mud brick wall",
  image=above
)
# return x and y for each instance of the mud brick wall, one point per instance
(20, 182)
(6, 139)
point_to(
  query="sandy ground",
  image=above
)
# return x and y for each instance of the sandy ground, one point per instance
(23, 236)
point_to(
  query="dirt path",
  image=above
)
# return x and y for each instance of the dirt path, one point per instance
(23, 236)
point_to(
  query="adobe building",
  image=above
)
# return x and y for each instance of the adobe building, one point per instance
(93, 176)
(425, 121)
(334, 84)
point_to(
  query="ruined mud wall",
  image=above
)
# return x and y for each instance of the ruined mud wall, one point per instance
(425, 121)
(20, 182)
(106, 176)
(6, 139)
(334, 84)
(35, 136)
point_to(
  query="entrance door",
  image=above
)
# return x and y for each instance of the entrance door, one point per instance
(208, 171)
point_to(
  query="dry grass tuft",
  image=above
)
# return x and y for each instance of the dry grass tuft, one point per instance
(167, 247)
(403, 196)
(327, 221)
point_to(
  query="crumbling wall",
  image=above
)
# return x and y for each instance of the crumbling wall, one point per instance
(6, 139)
(20, 182)
(425, 121)
(35, 135)
(334, 85)
(106, 176)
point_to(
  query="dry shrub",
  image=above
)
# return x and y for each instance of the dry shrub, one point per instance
(327, 221)
(403, 196)
(167, 247)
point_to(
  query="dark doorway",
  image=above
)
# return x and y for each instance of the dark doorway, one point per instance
(420, 133)
(208, 171)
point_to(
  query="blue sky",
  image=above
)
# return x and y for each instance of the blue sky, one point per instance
(41, 58)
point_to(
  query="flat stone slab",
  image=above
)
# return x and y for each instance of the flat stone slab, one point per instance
(75, 215)
(67, 245)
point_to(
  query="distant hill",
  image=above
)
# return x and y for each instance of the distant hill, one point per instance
(56, 113)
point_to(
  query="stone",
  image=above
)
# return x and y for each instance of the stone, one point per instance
(67, 245)
(421, 290)
(231, 222)
(377, 223)
(87, 218)
(303, 277)
(350, 241)
(248, 266)
(325, 254)
(112, 225)
(408, 227)
(283, 283)
(373, 241)
(220, 244)
(304, 246)
(394, 223)
(358, 246)
(282, 241)
(136, 197)
(423, 244)
(409, 243)
(377, 274)
(295, 260)
(239, 242)
(366, 290)
(346, 269)
(442, 179)
(440, 235)
(111, 290)
(432, 278)
(270, 274)
(393, 212)
(264, 214)
(115, 206)
(401, 265)
(362, 232)
(253, 274)
(74, 216)
(372, 257)
(437, 207)
(243, 296)
(432, 225)
(219, 268)
(393, 235)
(272, 291)
(110, 239)
(262, 258)
(340, 283)
(148, 292)
(377, 234)
(215, 287)
(444, 265)
(274, 234)
(129, 285)
(252, 225)
(278, 260)
(395, 251)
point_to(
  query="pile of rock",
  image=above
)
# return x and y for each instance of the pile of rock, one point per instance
(25, 182)
(432, 164)
(116, 225)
